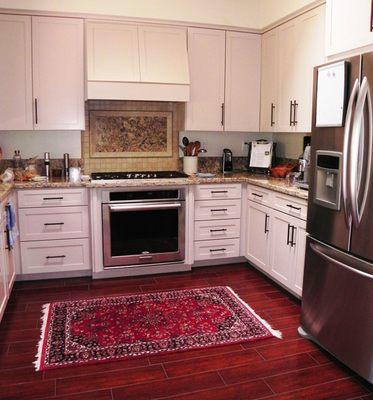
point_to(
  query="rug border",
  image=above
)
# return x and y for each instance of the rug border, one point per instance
(46, 314)
(39, 364)
(275, 332)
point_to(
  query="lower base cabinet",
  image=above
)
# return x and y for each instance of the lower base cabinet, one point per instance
(276, 243)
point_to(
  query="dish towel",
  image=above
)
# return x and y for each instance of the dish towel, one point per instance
(11, 225)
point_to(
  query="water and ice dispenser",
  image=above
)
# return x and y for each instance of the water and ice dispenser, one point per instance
(328, 179)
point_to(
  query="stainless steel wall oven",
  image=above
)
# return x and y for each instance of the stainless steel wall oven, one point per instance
(143, 227)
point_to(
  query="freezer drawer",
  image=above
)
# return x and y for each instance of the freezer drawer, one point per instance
(337, 305)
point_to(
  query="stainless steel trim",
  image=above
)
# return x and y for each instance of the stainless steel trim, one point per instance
(357, 131)
(331, 255)
(346, 151)
(138, 207)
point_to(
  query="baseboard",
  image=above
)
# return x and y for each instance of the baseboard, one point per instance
(223, 261)
(53, 275)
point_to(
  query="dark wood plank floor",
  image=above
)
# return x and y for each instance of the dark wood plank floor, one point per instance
(291, 368)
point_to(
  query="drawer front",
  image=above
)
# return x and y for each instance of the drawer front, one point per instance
(53, 223)
(219, 229)
(217, 209)
(258, 195)
(216, 249)
(291, 205)
(211, 192)
(52, 197)
(55, 256)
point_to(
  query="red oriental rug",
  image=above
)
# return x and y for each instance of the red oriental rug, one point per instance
(122, 327)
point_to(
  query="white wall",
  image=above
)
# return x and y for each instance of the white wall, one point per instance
(254, 14)
(241, 13)
(273, 10)
(35, 143)
(215, 142)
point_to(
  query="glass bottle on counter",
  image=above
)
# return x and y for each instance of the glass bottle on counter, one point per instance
(17, 166)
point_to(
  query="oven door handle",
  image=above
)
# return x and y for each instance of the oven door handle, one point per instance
(139, 207)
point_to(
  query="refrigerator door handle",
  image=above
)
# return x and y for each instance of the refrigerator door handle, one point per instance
(331, 255)
(346, 153)
(357, 130)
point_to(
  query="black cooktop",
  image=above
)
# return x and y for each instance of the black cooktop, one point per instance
(137, 175)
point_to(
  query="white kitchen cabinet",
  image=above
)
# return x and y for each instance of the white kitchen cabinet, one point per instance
(298, 268)
(257, 234)
(348, 25)
(287, 250)
(276, 236)
(3, 273)
(269, 81)
(206, 50)
(112, 52)
(58, 73)
(289, 54)
(225, 80)
(167, 44)
(15, 73)
(136, 62)
(242, 82)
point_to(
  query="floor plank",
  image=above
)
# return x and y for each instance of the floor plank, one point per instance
(290, 368)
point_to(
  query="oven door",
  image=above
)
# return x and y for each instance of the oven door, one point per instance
(143, 233)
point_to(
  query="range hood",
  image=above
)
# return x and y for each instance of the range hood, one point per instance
(136, 62)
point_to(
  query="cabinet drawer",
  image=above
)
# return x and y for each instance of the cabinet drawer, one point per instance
(217, 209)
(291, 205)
(55, 256)
(258, 195)
(52, 197)
(210, 230)
(216, 249)
(53, 223)
(210, 192)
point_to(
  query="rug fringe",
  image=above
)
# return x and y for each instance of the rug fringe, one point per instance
(44, 318)
(276, 333)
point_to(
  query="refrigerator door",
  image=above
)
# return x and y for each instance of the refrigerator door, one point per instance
(361, 169)
(337, 305)
(330, 223)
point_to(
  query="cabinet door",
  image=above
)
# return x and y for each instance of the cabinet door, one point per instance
(58, 73)
(348, 25)
(287, 71)
(309, 52)
(300, 251)
(206, 49)
(112, 52)
(242, 84)
(163, 55)
(257, 238)
(269, 82)
(282, 253)
(3, 286)
(15, 73)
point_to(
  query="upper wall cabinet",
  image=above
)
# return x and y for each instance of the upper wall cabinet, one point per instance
(289, 54)
(206, 48)
(136, 62)
(42, 88)
(348, 25)
(112, 52)
(58, 73)
(225, 76)
(242, 82)
(15, 73)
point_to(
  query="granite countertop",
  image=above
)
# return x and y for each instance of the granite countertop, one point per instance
(276, 184)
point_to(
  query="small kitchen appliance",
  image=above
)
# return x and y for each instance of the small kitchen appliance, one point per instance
(227, 161)
(261, 156)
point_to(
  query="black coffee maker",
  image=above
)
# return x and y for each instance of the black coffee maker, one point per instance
(227, 161)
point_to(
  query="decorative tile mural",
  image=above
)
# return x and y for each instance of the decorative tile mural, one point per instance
(130, 134)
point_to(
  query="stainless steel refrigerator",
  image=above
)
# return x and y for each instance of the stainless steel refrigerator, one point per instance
(337, 302)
